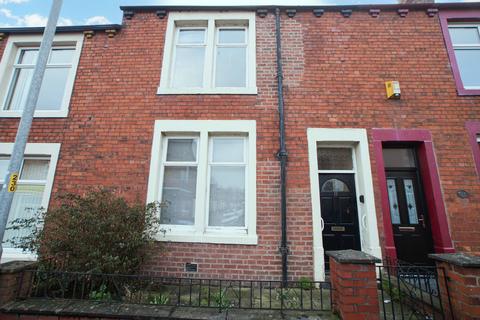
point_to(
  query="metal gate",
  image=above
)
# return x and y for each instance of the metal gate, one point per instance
(413, 292)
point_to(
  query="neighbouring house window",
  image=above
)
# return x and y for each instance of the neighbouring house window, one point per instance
(206, 180)
(33, 189)
(466, 44)
(209, 53)
(461, 30)
(28, 197)
(18, 65)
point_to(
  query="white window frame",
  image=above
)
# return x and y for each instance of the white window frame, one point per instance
(465, 46)
(210, 19)
(165, 163)
(204, 130)
(34, 150)
(245, 163)
(9, 60)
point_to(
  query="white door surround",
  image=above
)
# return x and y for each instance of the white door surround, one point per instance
(357, 140)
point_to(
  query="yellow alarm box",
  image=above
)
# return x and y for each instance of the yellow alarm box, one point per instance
(393, 89)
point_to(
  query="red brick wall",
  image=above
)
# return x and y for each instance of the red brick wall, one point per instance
(2, 45)
(463, 290)
(347, 61)
(335, 69)
(354, 290)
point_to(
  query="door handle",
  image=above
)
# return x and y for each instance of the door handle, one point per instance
(421, 219)
(322, 224)
(364, 222)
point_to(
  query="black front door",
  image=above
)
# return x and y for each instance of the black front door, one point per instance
(339, 212)
(410, 224)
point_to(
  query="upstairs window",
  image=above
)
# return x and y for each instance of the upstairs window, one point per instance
(466, 45)
(18, 64)
(461, 31)
(209, 53)
(54, 82)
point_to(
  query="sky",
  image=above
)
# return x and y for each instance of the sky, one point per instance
(33, 13)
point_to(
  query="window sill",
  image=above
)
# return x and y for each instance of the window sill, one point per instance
(167, 91)
(38, 114)
(223, 238)
(468, 92)
(10, 254)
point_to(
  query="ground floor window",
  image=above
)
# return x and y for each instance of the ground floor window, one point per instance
(203, 176)
(33, 191)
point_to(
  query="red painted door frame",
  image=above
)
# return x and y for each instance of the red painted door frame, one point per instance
(442, 241)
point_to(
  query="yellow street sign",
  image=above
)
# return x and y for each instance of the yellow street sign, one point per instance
(12, 185)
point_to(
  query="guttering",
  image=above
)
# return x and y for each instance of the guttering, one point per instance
(62, 29)
(364, 7)
(282, 153)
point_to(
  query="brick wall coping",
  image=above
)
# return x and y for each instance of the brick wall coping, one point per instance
(458, 259)
(116, 310)
(16, 266)
(352, 257)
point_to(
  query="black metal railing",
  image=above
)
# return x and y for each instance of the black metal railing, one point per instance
(212, 293)
(411, 292)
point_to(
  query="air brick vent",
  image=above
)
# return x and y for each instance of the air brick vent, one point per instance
(191, 267)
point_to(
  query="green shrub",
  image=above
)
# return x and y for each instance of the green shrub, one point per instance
(305, 283)
(102, 294)
(222, 301)
(97, 232)
(160, 299)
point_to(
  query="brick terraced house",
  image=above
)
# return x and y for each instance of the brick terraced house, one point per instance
(265, 132)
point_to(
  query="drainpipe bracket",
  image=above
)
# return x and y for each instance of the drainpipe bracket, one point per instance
(282, 154)
(284, 250)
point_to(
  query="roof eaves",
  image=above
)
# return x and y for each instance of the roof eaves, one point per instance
(361, 7)
(61, 29)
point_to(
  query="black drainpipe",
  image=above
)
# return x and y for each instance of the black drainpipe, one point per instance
(282, 153)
